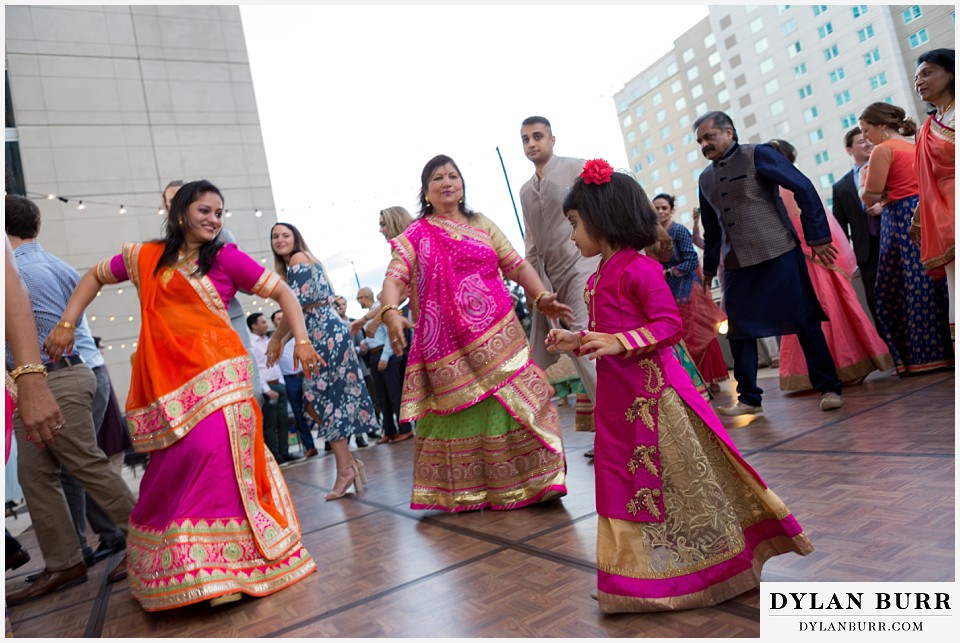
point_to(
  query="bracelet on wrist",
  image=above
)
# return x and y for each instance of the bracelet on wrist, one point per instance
(304, 342)
(25, 369)
(385, 309)
(65, 324)
(536, 302)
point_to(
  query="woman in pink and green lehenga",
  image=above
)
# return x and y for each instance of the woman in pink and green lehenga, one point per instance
(487, 434)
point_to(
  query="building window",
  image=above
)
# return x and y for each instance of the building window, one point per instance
(816, 136)
(843, 97)
(822, 157)
(782, 128)
(644, 126)
(627, 121)
(637, 167)
(668, 149)
(911, 14)
(831, 52)
(745, 100)
(888, 100)
(919, 38)
(794, 49)
(825, 30)
(806, 92)
(782, 8)
(859, 10)
(661, 115)
(878, 81)
(654, 175)
(693, 72)
(718, 77)
(677, 183)
(657, 98)
(635, 93)
(700, 109)
(671, 69)
(735, 61)
(688, 138)
(766, 66)
(848, 121)
(680, 103)
(685, 119)
(631, 137)
(762, 45)
(750, 120)
(681, 199)
(622, 105)
(634, 152)
(800, 70)
(788, 28)
(665, 131)
(710, 40)
(837, 75)
(872, 57)
(818, 9)
(772, 87)
(688, 55)
(776, 107)
(826, 180)
(653, 82)
(651, 158)
(723, 96)
(714, 59)
(676, 86)
(647, 143)
(673, 166)
(810, 114)
(638, 110)
(692, 156)
(697, 90)
(756, 25)
(695, 173)
(865, 34)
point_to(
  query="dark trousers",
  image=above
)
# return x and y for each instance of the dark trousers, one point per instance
(275, 432)
(868, 274)
(820, 366)
(389, 386)
(294, 384)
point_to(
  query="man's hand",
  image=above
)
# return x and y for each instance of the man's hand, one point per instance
(273, 395)
(826, 253)
(707, 282)
(875, 210)
(382, 365)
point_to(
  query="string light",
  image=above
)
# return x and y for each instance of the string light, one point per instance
(119, 291)
(257, 213)
(112, 317)
(130, 318)
(228, 214)
(122, 209)
(161, 212)
(81, 206)
(51, 197)
(94, 317)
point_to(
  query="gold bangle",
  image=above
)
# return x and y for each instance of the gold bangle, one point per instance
(536, 302)
(65, 324)
(386, 309)
(24, 369)
(304, 342)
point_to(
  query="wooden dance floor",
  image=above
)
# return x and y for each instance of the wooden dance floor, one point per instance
(872, 484)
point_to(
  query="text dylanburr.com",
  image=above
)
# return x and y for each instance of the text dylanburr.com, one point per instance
(915, 611)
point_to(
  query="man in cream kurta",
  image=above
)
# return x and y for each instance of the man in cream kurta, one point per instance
(550, 250)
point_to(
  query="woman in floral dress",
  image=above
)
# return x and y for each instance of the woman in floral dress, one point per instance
(337, 399)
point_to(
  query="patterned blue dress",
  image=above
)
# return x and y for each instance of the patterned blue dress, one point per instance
(338, 394)
(912, 309)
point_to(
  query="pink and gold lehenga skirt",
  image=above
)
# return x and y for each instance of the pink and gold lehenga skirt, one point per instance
(190, 538)
(720, 526)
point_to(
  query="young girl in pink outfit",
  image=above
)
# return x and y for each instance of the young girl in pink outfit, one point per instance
(684, 521)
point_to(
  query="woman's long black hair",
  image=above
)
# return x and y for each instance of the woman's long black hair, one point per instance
(174, 233)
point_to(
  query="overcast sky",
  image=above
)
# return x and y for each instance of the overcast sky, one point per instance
(354, 100)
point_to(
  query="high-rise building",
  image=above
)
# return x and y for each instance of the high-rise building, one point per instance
(105, 105)
(802, 73)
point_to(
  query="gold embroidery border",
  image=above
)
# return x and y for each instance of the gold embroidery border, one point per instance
(131, 259)
(104, 274)
(205, 289)
(266, 284)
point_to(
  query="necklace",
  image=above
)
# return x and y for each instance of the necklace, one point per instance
(167, 273)
(588, 296)
(942, 115)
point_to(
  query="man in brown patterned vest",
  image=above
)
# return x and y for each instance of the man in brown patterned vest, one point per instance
(766, 288)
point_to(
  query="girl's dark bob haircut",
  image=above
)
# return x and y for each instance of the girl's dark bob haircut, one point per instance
(618, 212)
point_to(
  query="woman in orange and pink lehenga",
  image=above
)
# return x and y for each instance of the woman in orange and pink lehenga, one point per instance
(214, 518)
(854, 343)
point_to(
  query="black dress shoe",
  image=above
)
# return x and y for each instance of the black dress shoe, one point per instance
(588, 454)
(105, 551)
(292, 457)
(18, 559)
(50, 582)
(361, 443)
(119, 571)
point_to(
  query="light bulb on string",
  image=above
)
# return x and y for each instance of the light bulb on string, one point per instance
(228, 214)
(130, 318)
(161, 212)
(119, 291)
(122, 210)
(257, 213)
(81, 206)
(112, 318)
(51, 197)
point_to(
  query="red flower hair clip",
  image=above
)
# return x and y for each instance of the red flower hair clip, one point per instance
(596, 171)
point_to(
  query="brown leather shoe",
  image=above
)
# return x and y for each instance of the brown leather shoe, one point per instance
(18, 559)
(119, 572)
(385, 439)
(50, 582)
(311, 453)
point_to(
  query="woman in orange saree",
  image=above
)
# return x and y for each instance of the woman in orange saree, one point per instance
(214, 518)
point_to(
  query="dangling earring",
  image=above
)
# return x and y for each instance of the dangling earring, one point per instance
(180, 221)
(427, 200)
(461, 201)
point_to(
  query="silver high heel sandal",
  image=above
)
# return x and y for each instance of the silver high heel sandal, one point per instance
(354, 481)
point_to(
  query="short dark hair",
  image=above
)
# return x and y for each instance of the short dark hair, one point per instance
(786, 148)
(849, 136)
(252, 319)
(720, 120)
(273, 316)
(618, 211)
(22, 217)
(943, 58)
(666, 197)
(537, 120)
